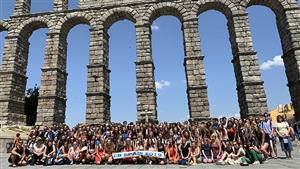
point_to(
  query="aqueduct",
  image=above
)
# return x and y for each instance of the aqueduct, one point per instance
(100, 15)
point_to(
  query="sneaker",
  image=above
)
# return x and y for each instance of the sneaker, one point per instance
(256, 162)
(244, 164)
(220, 163)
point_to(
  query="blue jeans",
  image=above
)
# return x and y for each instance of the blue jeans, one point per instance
(286, 145)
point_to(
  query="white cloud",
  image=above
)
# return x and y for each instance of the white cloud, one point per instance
(155, 27)
(237, 115)
(269, 64)
(162, 84)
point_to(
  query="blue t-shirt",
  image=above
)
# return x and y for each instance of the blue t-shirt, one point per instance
(266, 126)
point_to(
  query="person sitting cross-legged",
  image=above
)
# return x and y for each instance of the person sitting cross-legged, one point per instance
(18, 156)
(207, 153)
(62, 156)
(172, 152)
(252, 156)
(100, 157)
(74, 154)
(50, 153)
(39, 150)
(195, 153)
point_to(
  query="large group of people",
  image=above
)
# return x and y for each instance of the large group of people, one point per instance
(222, 141)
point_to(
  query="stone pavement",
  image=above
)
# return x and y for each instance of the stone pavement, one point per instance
(271, 164)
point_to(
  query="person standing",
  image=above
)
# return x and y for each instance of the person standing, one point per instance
(267, 138)
(282, 129)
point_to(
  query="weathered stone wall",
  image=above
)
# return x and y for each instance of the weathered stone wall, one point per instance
(100, 15)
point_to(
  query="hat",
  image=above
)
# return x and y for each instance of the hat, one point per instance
(39, 139)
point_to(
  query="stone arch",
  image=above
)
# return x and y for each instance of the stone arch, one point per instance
(107, 19)
(60, 34)
(150, 92)
(19, 36)
(242, 49)
(277, 6)
(66, 23)
(165, 8)
(113, 15)
(228, 8)
(4, 26)
(287, 20)
(27, 27)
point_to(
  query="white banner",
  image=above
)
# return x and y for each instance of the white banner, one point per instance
(121, 155)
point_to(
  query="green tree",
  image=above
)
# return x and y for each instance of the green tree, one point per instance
(31, 103)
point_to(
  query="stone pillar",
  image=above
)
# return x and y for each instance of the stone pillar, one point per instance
(52, 98)
(13, 81)
(60, 5)
(250, 89)
(22, 7)
(98, 98)
(195, 73)
(145, 83)
(289, 29)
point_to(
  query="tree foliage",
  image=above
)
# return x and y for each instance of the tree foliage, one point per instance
(31, 103)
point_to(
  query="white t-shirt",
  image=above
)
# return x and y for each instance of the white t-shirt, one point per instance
(282, 128)
(39, 148)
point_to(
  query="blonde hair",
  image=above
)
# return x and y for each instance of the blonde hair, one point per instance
(214, 135)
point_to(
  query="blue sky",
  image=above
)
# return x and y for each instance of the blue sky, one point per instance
(167, 42)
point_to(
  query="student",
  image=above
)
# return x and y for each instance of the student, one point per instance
(74, 154)
(282, 129)
(184, 151)
(18, 156)
(83, 155)
(109, 149)
(91, 151)
(231, 131)
(236, 156)
(62, 154)
(206, 150)
(216, 147)
(172, 153)
(267, 130)
(228, 150)
(140, 147)
(28, 153)
(252, 156)
(120, 146)
(128, 148)
(39, 150)
(100, 156)
(161, 148)
(152, 146)
(195, 153)
(16, 140)
(50, 153)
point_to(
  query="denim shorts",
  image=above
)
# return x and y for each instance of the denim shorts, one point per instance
(286, 144)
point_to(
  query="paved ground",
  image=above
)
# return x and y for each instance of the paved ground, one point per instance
(271, 164)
